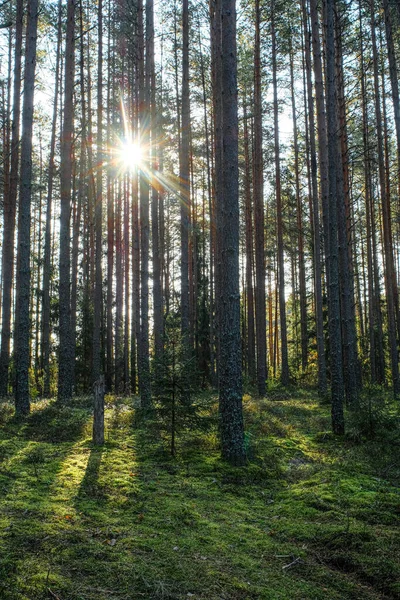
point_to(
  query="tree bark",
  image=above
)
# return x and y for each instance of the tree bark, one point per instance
(10, 203)
(230, 377)
(322, 378)
(285, 376)
(65, 360)
(22, 326)
(337, 387)
(98, 413)
(386, 218)
(98, 288)
(258, 188)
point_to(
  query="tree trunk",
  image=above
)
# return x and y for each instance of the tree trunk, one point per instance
(393, 80)
(258, 188)
(300, 232)
(322, 380)
(45, 340)
(184, 166)
(10, 203)
(98, 412)
(144, 108)
(251, 341)
(97, 353)
(230, 377)
(22, 326)
(65, 366)
(154, 119)
(281, 269)
(386, 217)
(335, 338)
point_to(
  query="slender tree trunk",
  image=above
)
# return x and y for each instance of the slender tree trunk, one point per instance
(97, 353)
(110, 231)
(299, 223)
(251, 341)
(281, 269)
(184, 167)
(126, 255)
(210, 210)
(45, 342)
(65, 366)
(261, 325)
(154, 120)
(322, 379)
(393, 80)
(386, 217)
(119, 292)
(23, 328)
(10, 203)
(135, 275)
(144, 108)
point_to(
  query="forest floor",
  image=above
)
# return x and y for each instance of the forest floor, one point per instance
(310, 517)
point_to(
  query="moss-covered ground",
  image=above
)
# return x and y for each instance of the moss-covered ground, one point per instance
(310, 517)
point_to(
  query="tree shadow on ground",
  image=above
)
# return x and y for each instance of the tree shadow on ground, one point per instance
(90, 487)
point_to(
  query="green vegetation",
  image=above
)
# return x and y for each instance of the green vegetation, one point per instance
(310, 517)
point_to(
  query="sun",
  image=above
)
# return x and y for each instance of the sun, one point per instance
(130, 154)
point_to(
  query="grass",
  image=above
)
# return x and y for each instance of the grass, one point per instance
(311, 517)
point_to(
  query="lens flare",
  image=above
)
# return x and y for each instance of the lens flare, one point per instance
(130, 155)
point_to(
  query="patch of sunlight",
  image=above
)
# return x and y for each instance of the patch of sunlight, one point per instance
(71, 474)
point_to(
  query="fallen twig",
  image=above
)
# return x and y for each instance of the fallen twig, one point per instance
(294, 562)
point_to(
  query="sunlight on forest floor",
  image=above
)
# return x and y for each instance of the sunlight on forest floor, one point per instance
(310, 517)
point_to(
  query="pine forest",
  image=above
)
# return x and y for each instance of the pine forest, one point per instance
(199, 299)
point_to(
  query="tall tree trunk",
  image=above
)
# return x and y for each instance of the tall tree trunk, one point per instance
(97, 354)
(258, 188)
(337, 387)
(23, 328)
(251, 341)
(349, 336)
(281, 269)
(119, 292)
(386, 217)
(45, 339)
(322, 379)
(110, 228)
(300, 232)
(154, 120)
(184, 167)
(10, 203)
(393, 80)
(126, 255)
(230, 377)
(65, 366)
(144, 108)
(210, 210)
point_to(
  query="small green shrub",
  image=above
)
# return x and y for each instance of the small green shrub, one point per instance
(374, 417)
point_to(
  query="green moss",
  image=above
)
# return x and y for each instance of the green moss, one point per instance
(309, 517)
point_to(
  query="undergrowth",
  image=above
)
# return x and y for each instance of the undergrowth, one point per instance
(311, 516)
